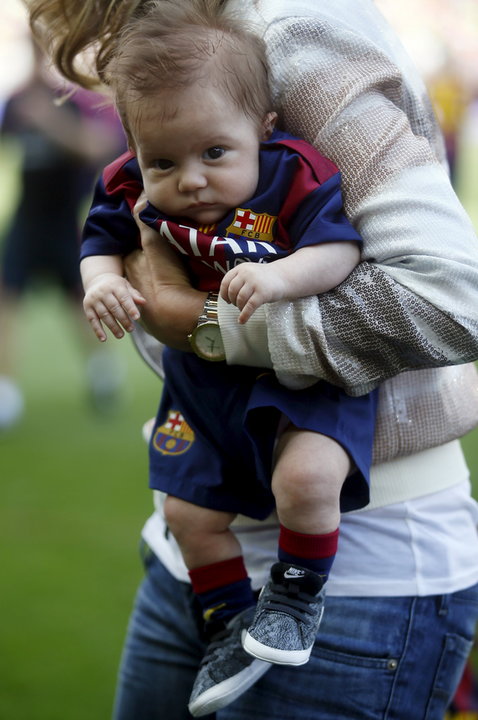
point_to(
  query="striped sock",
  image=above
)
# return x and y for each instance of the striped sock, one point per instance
(314, 552)
(223, 589)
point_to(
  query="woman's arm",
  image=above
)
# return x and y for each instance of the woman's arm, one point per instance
(411, 303)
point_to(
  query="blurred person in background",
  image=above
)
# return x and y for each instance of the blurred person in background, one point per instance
(62, 145)
(450, 100)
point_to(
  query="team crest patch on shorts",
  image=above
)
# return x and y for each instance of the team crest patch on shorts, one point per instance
(174, 437)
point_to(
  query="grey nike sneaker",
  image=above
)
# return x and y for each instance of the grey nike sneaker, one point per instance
(226, 671)
(288, 616)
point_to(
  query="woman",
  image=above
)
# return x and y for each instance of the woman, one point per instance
(402, 598)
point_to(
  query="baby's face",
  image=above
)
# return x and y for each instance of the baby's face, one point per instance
(202, 159)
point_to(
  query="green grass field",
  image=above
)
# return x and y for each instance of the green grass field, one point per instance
(73, 497)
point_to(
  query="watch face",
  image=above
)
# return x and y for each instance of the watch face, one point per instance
(207, 342)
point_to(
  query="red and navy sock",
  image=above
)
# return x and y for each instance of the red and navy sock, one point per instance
(223, 589)
(314, 552)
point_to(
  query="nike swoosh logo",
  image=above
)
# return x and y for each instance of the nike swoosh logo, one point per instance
(293, 573)
(210, 611)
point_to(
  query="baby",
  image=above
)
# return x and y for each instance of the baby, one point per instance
(255, 215)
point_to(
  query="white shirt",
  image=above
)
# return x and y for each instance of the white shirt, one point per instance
(424, 546)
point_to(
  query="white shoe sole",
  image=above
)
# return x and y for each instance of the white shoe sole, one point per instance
(273, 655)
(228, 690)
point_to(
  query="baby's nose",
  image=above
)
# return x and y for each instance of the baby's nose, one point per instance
(191, 178)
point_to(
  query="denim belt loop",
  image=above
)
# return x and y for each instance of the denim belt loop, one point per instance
(443, 603)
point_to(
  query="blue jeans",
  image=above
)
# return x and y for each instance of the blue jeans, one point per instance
(397, 658)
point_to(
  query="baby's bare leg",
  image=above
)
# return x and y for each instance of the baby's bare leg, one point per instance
(309, 472)
(214, 560)
(202, 534)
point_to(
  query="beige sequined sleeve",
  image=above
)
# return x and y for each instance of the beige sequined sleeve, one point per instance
(412, 302)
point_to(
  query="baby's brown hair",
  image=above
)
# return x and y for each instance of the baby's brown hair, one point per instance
(174, 46)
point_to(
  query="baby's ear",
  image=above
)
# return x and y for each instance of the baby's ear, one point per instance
(268, 125)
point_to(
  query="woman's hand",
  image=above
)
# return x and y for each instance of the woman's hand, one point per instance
(172, 306)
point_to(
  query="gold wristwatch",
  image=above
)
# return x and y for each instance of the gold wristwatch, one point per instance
(206, 339)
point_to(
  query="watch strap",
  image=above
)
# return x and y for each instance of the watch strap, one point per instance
(209, 313)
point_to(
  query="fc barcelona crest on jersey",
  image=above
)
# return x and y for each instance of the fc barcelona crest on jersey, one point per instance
(249, 224)
(173, 437)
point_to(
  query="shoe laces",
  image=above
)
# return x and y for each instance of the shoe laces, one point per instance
(217, 641)
(290, 599)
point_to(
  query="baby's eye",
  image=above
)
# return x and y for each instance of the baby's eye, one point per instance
(214, 153)
(163, 164)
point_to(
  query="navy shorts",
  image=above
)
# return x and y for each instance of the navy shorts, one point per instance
(214, 436)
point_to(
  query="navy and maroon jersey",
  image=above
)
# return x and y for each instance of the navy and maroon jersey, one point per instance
(298, 202)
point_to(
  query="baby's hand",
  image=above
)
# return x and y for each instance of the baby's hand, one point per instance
(250, 285)
(112, 300)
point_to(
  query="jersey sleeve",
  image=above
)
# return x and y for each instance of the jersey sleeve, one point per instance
(321, 218)
(110, 228)
(312, 210)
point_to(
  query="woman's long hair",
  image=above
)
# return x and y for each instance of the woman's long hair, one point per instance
(80, 35)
